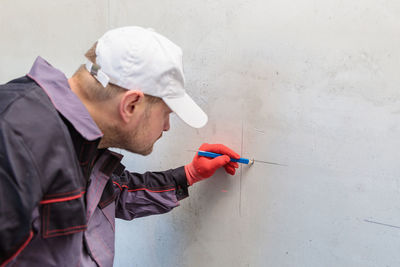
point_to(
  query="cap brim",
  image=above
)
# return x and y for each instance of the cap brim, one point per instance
(187, 110)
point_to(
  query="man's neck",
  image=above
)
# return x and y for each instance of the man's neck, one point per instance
(100, 112)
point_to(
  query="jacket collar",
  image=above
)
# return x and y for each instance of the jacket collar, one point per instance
(56, 86)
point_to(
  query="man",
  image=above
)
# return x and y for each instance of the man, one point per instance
(60, 187)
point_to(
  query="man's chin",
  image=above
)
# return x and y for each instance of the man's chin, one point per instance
(147, 152)
(143, 152)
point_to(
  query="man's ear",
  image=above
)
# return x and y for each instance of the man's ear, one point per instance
(128, 104)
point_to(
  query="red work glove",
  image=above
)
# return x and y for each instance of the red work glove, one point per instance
(203, 167)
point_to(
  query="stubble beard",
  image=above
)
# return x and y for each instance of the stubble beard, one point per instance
(129, 140)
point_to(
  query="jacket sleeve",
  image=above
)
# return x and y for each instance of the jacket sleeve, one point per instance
(38, 169)
(20, 192)
(139, 195)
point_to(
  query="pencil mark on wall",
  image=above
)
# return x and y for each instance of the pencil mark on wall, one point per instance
(108, 14)
(241, 174)
(258, 130)
(384, 224)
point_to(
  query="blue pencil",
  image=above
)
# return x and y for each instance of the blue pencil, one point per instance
(240, 160)
(214, 155)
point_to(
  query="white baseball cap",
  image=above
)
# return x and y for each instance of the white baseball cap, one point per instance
(135, 58)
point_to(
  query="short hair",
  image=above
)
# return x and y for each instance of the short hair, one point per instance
(96, 92)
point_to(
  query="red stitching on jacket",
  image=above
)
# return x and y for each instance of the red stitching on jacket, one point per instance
(66, 229)
(120, 188)
(66, 193)
(141, 189)
(50, 233)
(159, 191)
(62, 199)
(66, 233)
(19, 250)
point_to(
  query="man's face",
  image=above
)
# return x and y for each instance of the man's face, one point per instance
(152, 121)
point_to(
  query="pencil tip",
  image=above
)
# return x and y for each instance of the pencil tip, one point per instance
(251, 162)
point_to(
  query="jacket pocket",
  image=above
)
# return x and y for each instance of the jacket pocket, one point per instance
(63, 215)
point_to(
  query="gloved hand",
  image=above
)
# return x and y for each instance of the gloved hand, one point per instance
(203, 167)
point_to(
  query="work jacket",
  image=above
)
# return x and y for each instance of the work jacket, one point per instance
(59, 193)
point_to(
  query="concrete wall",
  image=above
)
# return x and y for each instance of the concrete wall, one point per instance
(310, 84)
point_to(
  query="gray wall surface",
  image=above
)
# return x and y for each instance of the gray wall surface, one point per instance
(310, 84)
